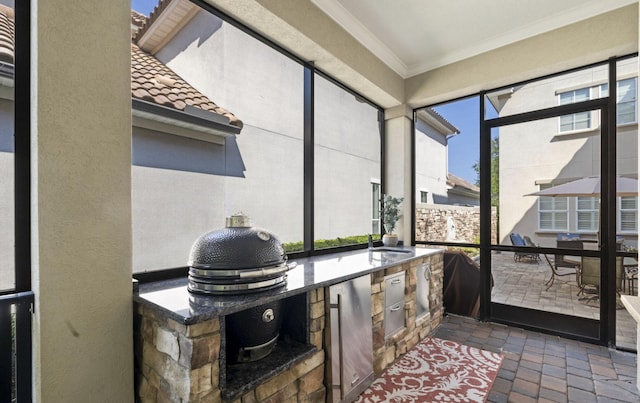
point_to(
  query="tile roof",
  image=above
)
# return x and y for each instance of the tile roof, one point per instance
(137, 21)
(456, 181)
(7, 34)
(152, 81)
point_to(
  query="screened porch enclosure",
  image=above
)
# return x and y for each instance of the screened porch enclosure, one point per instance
(557, 164)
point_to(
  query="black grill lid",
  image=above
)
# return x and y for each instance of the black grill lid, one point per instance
(238, 246)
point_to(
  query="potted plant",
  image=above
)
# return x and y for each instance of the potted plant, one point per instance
(390, 216)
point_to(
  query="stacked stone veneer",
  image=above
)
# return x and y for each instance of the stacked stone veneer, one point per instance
(431, 223)
(181, 363)
(176, 362)
(385, 351)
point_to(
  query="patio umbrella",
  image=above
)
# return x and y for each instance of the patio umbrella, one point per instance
(588, 187)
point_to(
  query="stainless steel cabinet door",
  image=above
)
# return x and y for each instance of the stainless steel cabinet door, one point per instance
(422, 289)
(351, 305)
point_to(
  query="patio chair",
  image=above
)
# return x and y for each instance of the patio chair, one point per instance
(518, 240)
(631, 277)
(560, 272)
(590, 276)
(529, 242)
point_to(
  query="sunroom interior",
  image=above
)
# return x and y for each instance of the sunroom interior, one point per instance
(75, 249)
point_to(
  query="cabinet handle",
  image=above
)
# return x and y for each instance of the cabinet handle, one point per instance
(395, 308)
(395, 281)
(356, 379)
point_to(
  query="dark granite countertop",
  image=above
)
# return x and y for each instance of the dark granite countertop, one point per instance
(171, 298)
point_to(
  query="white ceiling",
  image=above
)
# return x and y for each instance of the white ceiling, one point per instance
(414, 36)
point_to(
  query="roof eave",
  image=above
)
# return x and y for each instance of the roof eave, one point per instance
(196, 120)
(433, 118)
(164, 23)
(464, 192)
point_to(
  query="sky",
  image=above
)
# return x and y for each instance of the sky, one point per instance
(144, 6)
(464, 148)
(464, 114)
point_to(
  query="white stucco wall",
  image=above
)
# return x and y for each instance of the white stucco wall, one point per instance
(553, 155)
(263, 176)
(7, 264)
(431, 163)
(347, 158)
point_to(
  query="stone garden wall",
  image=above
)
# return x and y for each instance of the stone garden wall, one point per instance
(446, 223)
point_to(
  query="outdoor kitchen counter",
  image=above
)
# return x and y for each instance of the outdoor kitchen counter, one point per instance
(171, 297)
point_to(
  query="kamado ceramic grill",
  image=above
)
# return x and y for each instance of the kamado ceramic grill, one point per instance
(237, 259)
(241, 259)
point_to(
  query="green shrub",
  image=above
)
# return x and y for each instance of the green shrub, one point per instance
(291, 247)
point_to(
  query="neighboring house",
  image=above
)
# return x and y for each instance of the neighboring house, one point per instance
(549, 152)
(184, 184)
(175, 129)
(434, 183)
(178, 156)
(432, 134)
(446, 205)
(460, 192)
(194, 162)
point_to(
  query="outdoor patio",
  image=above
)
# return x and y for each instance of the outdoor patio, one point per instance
(523, 284)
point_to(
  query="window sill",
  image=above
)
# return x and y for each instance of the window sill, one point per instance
(627, 125)
(590, 131)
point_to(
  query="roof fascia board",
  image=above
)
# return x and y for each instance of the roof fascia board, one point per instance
(174, 31)
(154, 38)
(442, 127)
(142, 120)
(146, 112)
(464, 192)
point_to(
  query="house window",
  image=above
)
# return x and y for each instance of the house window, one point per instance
(588, 213)
(375, 208)
(424, 197)
(552, 213)
(626, 100)
(628, 216)
(575, 121)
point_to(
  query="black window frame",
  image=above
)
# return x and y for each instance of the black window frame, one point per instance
(22, 149)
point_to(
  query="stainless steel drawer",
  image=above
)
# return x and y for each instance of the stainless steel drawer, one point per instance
(393, 318)
(394, 289)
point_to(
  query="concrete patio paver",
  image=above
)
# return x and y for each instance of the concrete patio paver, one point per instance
(523, 284)
(527, 376)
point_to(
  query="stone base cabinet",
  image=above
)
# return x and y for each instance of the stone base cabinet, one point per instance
(387, 349)
(176, 362)
(180, 363)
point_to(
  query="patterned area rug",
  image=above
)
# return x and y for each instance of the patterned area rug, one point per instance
(436, 370)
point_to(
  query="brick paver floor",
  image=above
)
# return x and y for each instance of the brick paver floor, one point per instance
(523, 284)
(544, 368)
